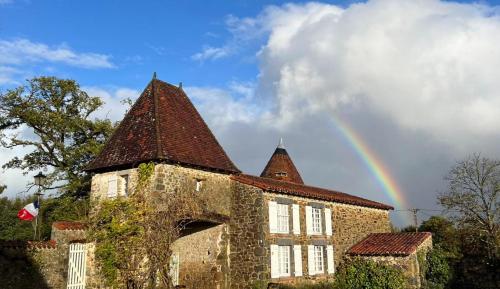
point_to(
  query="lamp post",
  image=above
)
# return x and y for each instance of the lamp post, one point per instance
(39, 181)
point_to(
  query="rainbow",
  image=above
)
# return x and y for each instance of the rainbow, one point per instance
(374, 165)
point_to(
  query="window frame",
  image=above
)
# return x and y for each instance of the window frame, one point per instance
(319, 260)
(316, 221)
(282, 214)
(284, 261)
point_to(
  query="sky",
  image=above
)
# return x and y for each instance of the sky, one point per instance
(374, 98)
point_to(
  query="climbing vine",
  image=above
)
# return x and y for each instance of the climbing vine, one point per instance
(117, 226)
(134, 234)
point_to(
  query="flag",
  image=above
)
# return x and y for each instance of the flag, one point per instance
(29, 212)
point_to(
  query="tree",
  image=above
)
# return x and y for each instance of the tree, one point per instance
(2, 188)
(444, 235)
(61, 130)
(473, 196)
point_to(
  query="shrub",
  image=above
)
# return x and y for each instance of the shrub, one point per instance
(436, 270)
(367, 274)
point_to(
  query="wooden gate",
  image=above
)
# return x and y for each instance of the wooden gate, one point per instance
(76, 266)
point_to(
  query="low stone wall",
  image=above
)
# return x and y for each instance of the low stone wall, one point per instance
(32, 265)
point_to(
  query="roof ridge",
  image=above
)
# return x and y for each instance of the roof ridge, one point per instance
(159, 153)
(317, 192)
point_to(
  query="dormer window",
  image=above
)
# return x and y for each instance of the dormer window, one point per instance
(281, 174)
(199, 184)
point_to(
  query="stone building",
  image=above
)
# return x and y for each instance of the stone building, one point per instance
(271, 228)
(403, 250)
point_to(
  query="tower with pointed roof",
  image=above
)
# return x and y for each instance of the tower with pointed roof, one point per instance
(163, 126)
(281, 167)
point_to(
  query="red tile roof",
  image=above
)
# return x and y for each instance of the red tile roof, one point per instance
(67, 225)
(16, 244)
(389, 244)
(163, 125)
(280, 163)
(300, 190)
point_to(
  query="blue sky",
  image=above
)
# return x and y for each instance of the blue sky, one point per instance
(417, 80)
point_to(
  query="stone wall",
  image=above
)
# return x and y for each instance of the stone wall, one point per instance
(45, 263)
(203, 258)
(410, 265)
(350, 225)
(248, 257)
(215, 191)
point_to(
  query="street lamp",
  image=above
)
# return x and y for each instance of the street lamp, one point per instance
(39, 181)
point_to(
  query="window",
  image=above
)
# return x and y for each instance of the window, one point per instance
(318, 259)
(284, 260)
(283, 219)
(125, 184)
(316, 221)
(280, 174)
(199, 184)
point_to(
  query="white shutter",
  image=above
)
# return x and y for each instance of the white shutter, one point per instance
(112, 186)
(329, 259)
(275, 265)
(310, 260)
(309, 220)
(273, 217)
(328, 222)
(296, 219)
(297, 256)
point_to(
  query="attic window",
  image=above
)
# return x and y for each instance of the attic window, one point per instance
(280, 174)
(199, 184)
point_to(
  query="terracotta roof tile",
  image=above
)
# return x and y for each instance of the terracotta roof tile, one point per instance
(17, 244)
(68, 225)
(294, 189)
(280, 166)
(163, 125)
(389, 244)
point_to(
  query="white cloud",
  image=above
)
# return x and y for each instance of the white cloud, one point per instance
(212, 53)
(113, 107)
(21, 51)
(428, 65)
(225, 106)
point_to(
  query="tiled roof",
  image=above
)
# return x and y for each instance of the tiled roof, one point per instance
(300, 190)
(67, 225)
(16, 244)
(163, 125)
(281, 167)
(389, 244)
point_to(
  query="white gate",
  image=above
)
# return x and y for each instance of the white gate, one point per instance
(76, 266)
(174, 269)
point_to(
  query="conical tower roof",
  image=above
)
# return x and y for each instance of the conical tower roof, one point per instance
(163, 125)
(281, 167)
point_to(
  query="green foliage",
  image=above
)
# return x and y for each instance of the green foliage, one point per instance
(367, 274)
(309, 285)
(65, 135)
(2, 188)
(444, 235)
(11, 228)
(117, 226)
(435, 268)
(116, 229)
(51, 209)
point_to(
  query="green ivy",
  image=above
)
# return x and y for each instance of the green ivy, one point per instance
(367, 274)
(434, 268)
(117, 228)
